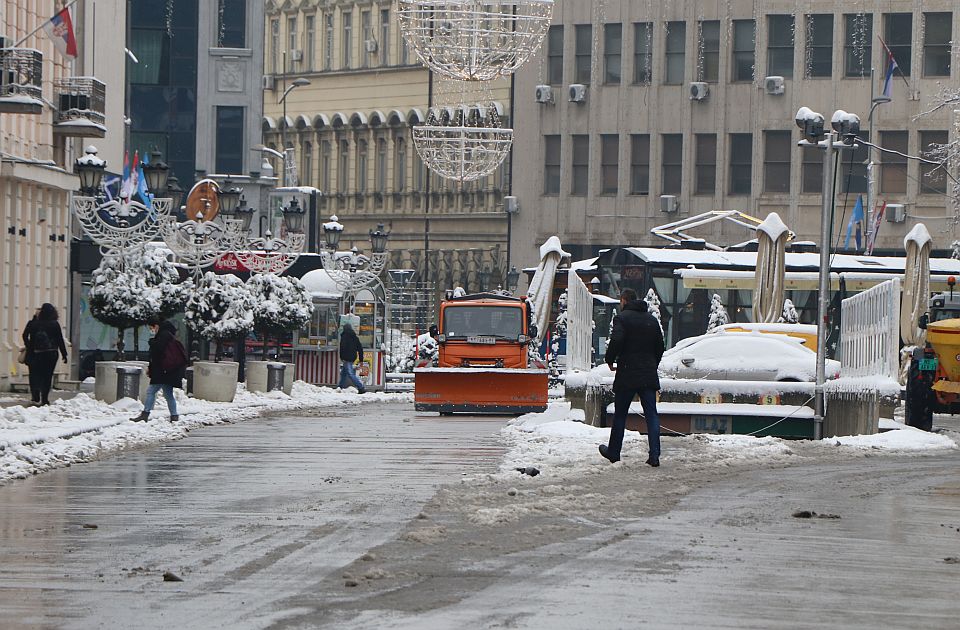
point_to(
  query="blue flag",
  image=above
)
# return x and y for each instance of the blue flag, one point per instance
(856, 219)
(142, 188)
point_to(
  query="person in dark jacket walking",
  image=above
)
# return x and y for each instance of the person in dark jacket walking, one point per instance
(634, 352)
(165, 372)
(42, 338)
(351, 351)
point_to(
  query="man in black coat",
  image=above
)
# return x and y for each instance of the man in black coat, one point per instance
(634, 352)
(168, 362)
(351, 351)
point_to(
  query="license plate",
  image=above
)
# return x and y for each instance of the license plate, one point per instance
(711, 424)
(928, 365)
(489, 341)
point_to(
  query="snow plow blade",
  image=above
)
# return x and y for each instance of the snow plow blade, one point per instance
(480, 390)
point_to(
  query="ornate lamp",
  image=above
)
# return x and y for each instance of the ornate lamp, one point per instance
(157, 173)
(229, 198)
(378, 239)
(513, 279)
(90, 169)
(484, 278)
(332, 231)
(245, 214)
(293, 216)
(175, 192)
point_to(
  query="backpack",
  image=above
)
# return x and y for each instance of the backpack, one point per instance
(174, 356)
(40, 341)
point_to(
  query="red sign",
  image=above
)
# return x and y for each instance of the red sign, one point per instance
(229, 262)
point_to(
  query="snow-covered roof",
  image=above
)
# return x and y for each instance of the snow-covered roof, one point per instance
(694, 278)
(320, 285)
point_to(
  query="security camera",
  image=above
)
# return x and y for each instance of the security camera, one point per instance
(846, 124)
(810, 122)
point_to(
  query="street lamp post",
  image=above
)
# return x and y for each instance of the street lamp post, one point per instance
(871, 184)
(283, 128)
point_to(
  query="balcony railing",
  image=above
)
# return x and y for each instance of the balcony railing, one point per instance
(81, 103)
(21, 75)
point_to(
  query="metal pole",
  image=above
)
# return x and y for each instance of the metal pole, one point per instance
(283, 124)
(823, 299)
(871, 193)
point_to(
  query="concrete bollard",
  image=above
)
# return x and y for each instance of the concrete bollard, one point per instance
(128, 382)
(275, 372)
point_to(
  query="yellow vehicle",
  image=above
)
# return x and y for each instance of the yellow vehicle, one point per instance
(805, 332)
(933, 383)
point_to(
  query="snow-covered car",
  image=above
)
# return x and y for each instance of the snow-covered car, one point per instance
(750, 356)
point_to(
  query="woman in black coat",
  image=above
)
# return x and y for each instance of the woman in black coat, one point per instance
(42, 338)
(166, 370)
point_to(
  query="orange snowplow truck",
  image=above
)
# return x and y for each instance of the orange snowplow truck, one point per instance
(483, 365)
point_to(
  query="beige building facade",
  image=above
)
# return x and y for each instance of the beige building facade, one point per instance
(351, 131)
(696, 102)
(50, 107)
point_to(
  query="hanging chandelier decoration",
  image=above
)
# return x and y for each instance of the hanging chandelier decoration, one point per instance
(464, 143)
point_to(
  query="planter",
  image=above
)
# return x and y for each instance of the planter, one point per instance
(105, 388)
(256, 372)
(216, 382)
(289, 375)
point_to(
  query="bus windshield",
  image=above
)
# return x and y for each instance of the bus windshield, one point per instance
(502, 322)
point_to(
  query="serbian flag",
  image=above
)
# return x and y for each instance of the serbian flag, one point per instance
(888, 80)
(60, 30)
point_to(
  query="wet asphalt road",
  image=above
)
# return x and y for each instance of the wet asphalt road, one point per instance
(245, 514)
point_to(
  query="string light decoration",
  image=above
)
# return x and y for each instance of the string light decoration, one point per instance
(464, 143)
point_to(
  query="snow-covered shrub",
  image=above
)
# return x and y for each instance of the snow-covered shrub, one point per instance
(718, 314)
(790, 315)
(280, 305)
(219, 308)
(653, 306)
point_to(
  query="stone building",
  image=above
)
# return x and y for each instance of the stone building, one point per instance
(350, 131)
(687, 108)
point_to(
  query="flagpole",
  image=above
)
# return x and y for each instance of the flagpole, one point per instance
(890, 52)
(42, 24)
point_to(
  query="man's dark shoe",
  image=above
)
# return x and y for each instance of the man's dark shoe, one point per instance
(606, 453)
(653, 462)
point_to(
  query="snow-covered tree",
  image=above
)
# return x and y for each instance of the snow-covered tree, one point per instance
(560, 327)
(219, 308)
(280, 304)
(947, 156)
(718, 314)
(955, 246)
(129, 291)
(653, 306)
(790, 315)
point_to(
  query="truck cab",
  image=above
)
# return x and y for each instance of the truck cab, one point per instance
(484, 331)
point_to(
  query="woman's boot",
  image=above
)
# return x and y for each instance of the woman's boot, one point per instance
(143, 417)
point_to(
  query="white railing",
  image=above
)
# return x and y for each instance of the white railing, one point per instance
(870, 332)
(579, 324)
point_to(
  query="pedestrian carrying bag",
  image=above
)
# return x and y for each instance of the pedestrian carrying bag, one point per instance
(22, 357)
(174, 356)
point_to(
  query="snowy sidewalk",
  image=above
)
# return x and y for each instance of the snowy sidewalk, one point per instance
(80, 428)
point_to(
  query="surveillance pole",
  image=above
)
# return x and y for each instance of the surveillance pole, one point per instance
(826, 235)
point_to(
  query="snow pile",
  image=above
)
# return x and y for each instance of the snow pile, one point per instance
(902, 439)
(36, 439)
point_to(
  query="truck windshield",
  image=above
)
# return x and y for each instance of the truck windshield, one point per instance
(503, 322)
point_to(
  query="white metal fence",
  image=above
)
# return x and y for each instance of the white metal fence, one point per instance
(870, 332)
(579, 324)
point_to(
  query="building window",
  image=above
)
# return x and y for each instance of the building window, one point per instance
(819, 53)
(744, 49)
(708, 52)
(609, 164)
(306, 176)
(811, 170)
(705, 181)
(291, 42)
(328, 43)
(777, 149)
(555, 55)
(672, 163)
(612, 53)
(933, 180)
(400, 165)
(937, 38)
(857, 44)
(325, 158)
(640, 164)
(893, 170)
(275, 46)
(853, 168)
(582, 58)
(780, 45)
(404, 51)
(551, 165)
(310, 47)
(381, 183)
(384, 37)
(642, 53)
(419, 176)
(366, 35)
(343, 168)
(346, 61)
(675, 52)
(741, 163)
(581, 166)
(232, 24)
(229, 153)
(898, 35)
(362, 161)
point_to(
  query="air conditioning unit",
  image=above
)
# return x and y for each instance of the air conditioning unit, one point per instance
(896, 213)
(511, 205)
(269, 82)
(296, 55)
(773, 85)
(578, 93)
(669, 204)
(544, 94)
(370, 45)
(699, 91)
